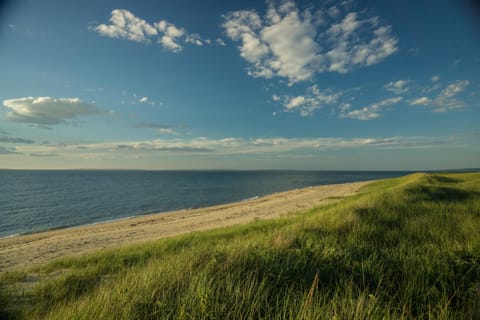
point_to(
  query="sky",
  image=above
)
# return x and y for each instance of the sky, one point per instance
(316, 85)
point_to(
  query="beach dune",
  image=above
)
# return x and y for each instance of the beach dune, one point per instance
(27, 250)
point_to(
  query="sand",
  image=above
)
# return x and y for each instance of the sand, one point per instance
(27, 250)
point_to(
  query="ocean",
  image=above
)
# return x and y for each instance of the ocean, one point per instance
(39, 200)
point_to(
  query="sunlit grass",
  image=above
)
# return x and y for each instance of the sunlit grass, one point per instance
(403, 248)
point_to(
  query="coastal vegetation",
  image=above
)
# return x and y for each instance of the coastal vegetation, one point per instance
(401, 248)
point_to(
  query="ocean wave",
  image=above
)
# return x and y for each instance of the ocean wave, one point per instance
(10, 236)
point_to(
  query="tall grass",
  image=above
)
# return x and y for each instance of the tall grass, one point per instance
(403, 248)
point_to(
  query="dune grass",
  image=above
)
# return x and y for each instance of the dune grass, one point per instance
(404, 248)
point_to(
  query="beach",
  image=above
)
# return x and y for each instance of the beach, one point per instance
(25, 251)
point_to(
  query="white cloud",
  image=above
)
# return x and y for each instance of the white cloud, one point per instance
(137, 99)
(224, 146)
(297, 44)
(306, 104)
(453, 89)
(429, 89)
(295, 102)
(45, 111)
(220, 42)
(170, 44)
(172, 36)
(421, 101)
(445, 100)
(167, 131)
(397, 87)
(373, 111)
(196, 39)
(435, 78)
(125, 25)
(161, 128)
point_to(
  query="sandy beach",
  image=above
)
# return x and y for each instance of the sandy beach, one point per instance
(27, 250)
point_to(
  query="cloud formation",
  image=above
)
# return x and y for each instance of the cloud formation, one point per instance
(225, 146)
(161, 128)
(46, 111)
(397, 87)
(373, 111)
(297, 44)
(9, 139)
(125, 25)
(7, 150)
(446, 100)
(134, 99)
(306, 104)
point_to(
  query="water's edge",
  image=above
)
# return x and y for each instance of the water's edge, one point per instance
(38, 201)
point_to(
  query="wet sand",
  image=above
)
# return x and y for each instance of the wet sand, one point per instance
(27, 250)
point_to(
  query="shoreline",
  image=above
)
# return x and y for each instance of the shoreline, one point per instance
(132, 217)
(64, 227)
(26, 250)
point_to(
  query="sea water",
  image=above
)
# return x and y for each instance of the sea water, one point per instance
(39, 200)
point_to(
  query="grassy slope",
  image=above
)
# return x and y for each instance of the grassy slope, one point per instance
(403, 248)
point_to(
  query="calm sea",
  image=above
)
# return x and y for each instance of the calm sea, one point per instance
(32, 201)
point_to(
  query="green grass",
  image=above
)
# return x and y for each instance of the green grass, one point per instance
(405, 248)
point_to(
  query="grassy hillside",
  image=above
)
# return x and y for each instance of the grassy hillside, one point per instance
(402, 248)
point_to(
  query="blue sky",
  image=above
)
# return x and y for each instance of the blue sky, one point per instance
(182, 84)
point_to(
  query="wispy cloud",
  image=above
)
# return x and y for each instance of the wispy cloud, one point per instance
(9, 139)
(297, 44)
(125, 25)
(46, 111)
(421, 101)
(134, 99)
(227, 146)
(161, 128)
(146, 100)
(8, 150)
(453, 89)
(306, 104)
(149, 147)
(397, 87)
(220, 42)
(370, 112)
(40, 154)
(446, 100)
